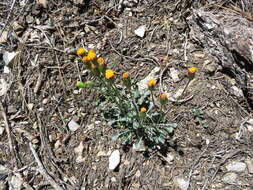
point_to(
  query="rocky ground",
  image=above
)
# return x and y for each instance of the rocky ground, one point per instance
(52, 136)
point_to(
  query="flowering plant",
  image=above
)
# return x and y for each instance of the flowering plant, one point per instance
(140, 122)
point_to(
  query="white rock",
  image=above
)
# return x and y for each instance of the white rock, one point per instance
(3, 87)
(1, 130)
(138, 174)
(44, 101)
(4, 37)
(79, 151)
(114, 160)
(3, 169)
(178, 93)
(250, 121)
(79, 2)
(41, 109)
(250, 165)
(113, 179)
(76, 92)
(80, 159)
(16, 182)
(6, 69)
(174, 74)
(229, 178)
(182, 183)
(140, 31)
(79, 148)
(170, 157)
(250, 128)
(237, 91)
(30, 106)
(8, 57)
(73, 126)
(101, 153)
(236, 166)
(57, 144)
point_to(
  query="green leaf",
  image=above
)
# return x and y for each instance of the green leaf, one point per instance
(115, 136)
(126, 139)
(161, 139)
(136, 93)
(170, 127)
(205, 125)
(89, 84)
(118, 135)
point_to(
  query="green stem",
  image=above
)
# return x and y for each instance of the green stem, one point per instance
(186, 86)
(152, 95)
(110, 88)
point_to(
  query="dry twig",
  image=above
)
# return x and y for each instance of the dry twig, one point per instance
(42, 170)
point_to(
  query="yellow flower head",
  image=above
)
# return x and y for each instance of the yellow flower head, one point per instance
(101, 61)
(92, 55)
(192, 71)
(85, 59)
(151, 83)
(143, 110)
(163, 98)
(109, 74)
(125, 75)
(80, 51)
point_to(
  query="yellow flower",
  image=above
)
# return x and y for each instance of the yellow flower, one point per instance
(151, 83)
(101, 61)
(125, 75)
(143, 110)
(85, 59)
(163, 98)
(80, 51)
(91, 55)
(109, 74)
(192, 70)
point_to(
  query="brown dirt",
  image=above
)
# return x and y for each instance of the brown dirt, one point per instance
(44, 75)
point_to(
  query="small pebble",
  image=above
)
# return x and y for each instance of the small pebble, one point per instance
(44, 101)
(182, 183)
(174, 74)
(140, 31)
(236, 167)
(1, 130)
(250, 165)
(30, 106)
(73, 126)
(229, 178)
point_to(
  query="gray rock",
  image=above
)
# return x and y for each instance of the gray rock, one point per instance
(229, 178)
(236, 167)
